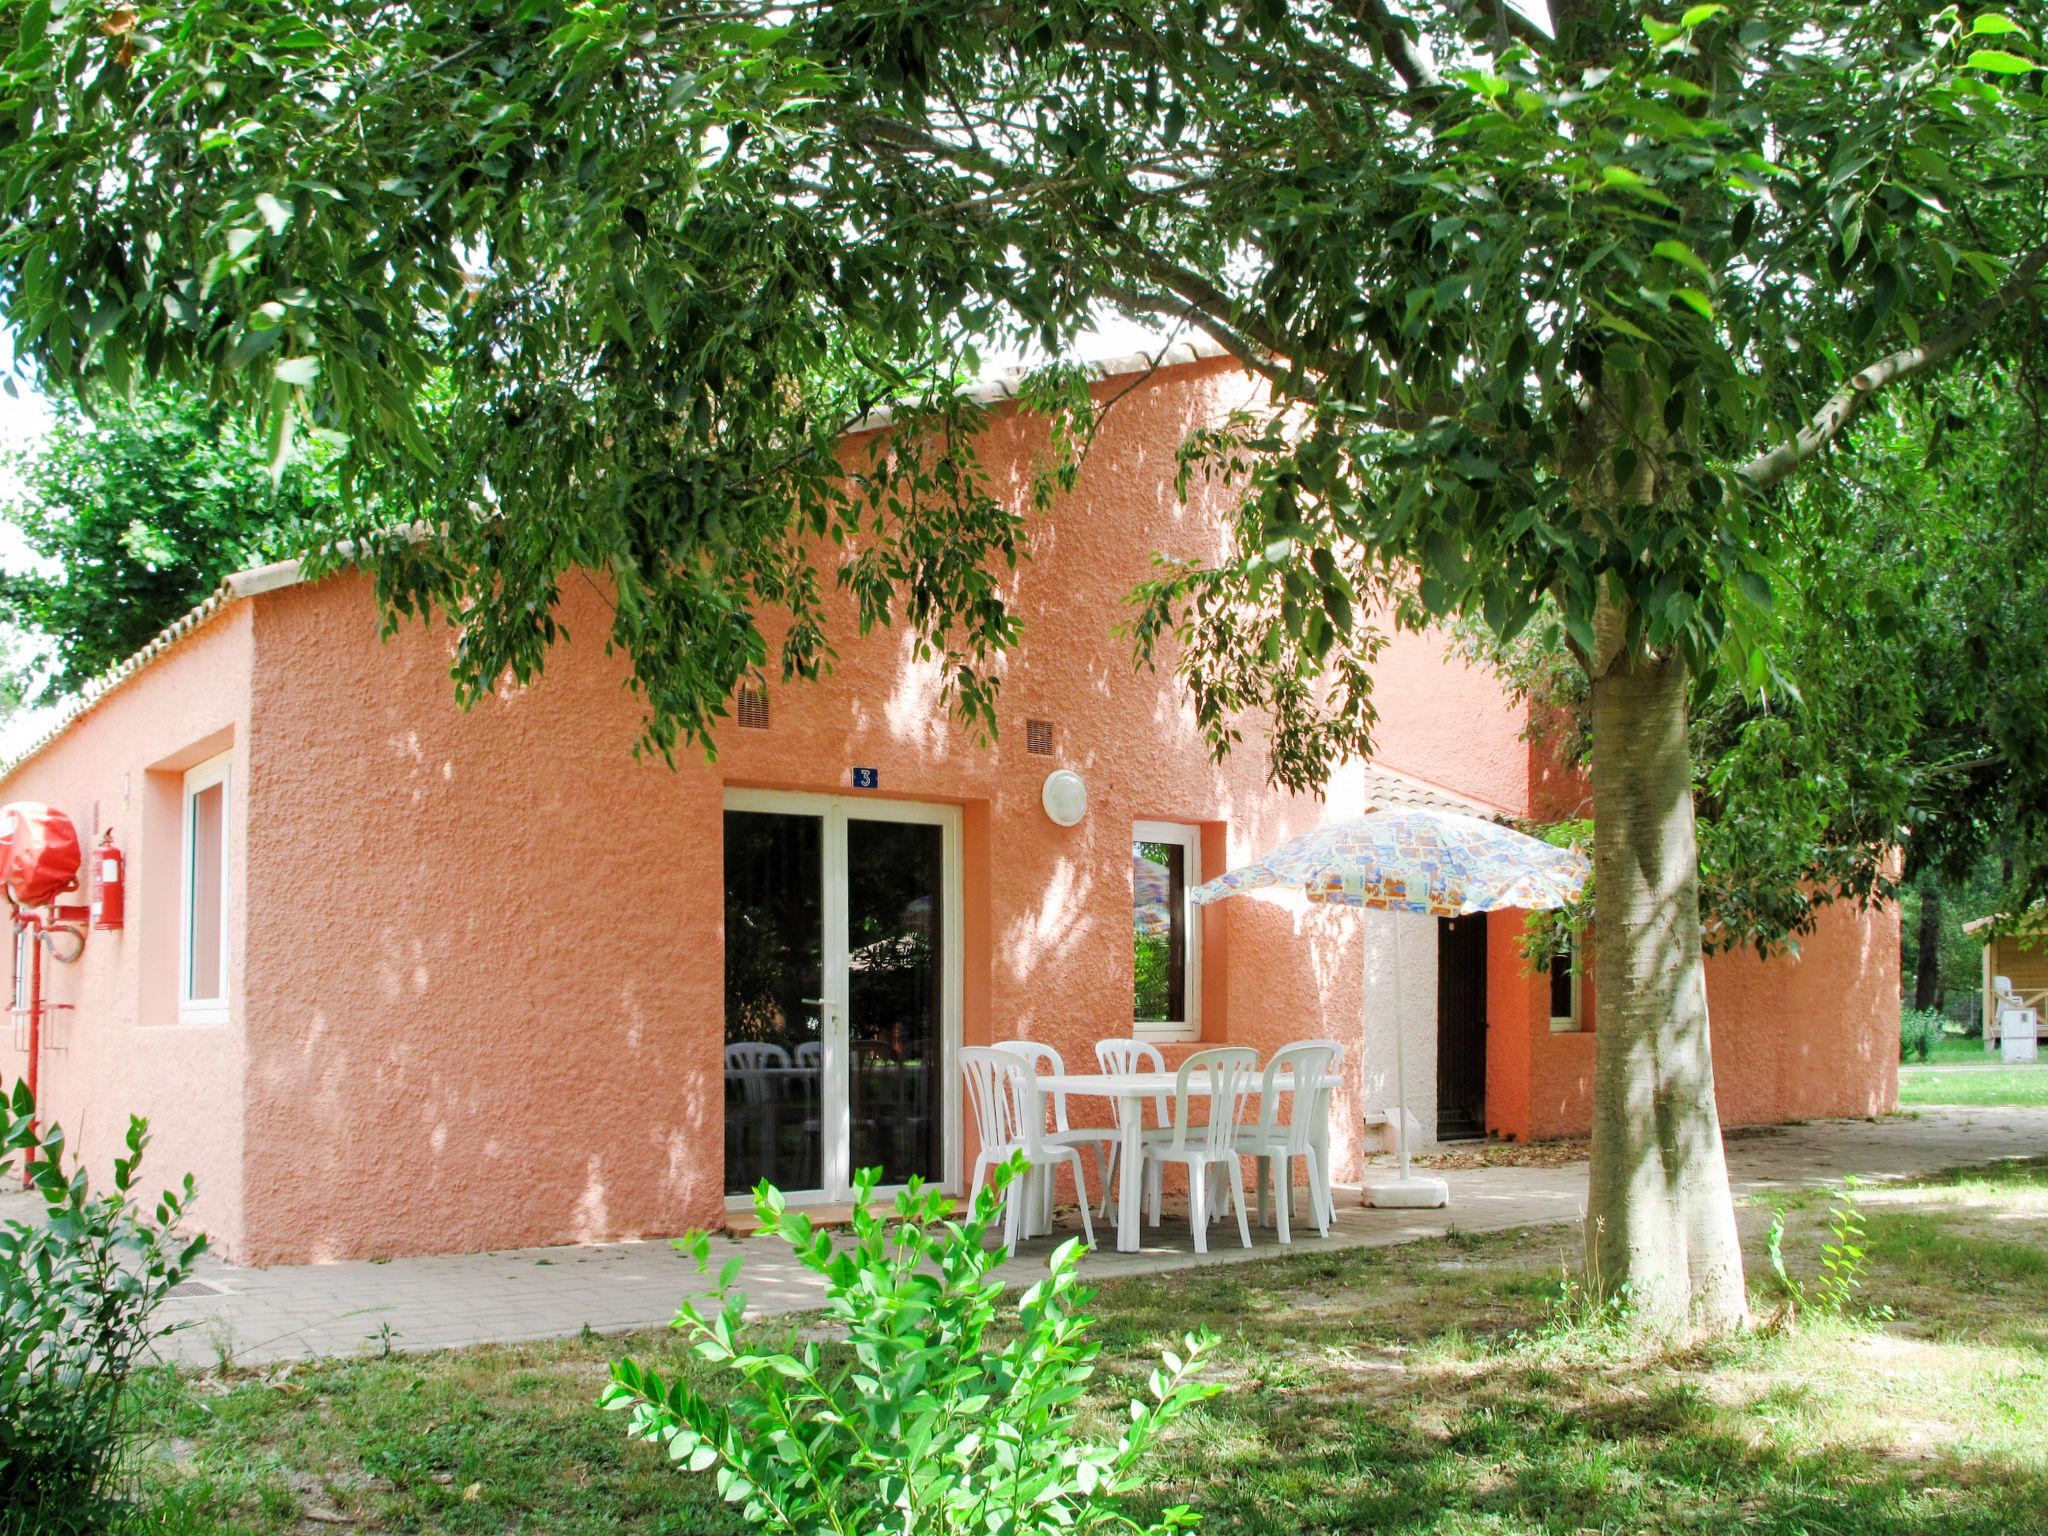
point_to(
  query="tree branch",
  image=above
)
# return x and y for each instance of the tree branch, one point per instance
(1400, 44)
(1137, 302)
(1847, 403)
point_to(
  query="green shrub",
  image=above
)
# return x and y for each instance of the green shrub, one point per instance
(1844, 1260)
(79, 1291)
(1919, 1030)
(921, 1424)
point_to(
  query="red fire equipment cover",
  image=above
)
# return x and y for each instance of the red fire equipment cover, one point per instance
(38, 851)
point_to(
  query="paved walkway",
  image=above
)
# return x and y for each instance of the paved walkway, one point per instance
(255, 1316)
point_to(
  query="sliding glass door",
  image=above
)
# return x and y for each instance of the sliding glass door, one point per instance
(841, 990)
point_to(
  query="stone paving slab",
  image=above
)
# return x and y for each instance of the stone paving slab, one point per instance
(260, 1316)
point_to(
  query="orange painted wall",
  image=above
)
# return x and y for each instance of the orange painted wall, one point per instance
(1796, 1038)
(119, 1048)
(478, 997)
(491, 943)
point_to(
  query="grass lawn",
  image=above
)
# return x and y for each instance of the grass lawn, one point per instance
(1960, 1048)
(1973, 1082)
(1435, 1387)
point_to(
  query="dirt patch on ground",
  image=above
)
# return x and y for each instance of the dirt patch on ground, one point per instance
(1508, 1154)
(1551, 1154)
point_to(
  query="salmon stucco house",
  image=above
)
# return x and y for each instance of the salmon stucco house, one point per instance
(357, 996)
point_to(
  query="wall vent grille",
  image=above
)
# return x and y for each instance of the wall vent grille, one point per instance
(1038, 737)
(753, 709)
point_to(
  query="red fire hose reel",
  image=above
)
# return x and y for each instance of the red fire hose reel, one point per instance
(39, 861)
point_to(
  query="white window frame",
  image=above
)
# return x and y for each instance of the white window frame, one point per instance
(215, 770)
(1187, 836)
(1563, 1024)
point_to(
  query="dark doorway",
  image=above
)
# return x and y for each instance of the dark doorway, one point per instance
(1461, 1027)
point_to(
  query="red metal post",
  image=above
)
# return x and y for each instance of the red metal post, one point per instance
(35, 1027)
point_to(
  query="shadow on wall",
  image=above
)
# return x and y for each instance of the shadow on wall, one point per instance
(476, 1043)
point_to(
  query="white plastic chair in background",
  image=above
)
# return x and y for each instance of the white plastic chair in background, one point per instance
(1276, 1143)
(1121, 1058)
(1002, 1088)
(1229, 1071)
(811, 1053)
(1047, 1062)
(751, 1055)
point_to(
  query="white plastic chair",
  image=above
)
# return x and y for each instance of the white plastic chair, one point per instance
(811, 1053)
(1003, 1090)
(1229, 1071)
(1047, 1062)
(1276, 1144)
(748, 1062)
(1120, 1058)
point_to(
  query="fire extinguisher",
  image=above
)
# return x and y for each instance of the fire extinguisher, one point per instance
(106, 883)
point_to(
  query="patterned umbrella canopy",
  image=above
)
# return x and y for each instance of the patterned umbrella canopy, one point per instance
(1413, 860)
(1152, 888)
(1151, 880)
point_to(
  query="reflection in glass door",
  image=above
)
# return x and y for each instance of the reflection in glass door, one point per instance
(774, 981)
(895, 910)
(841, 990)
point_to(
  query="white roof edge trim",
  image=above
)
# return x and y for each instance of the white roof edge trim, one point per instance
(1423, 791)
(997, 386)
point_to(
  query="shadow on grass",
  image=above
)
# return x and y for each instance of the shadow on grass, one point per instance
(1439, 1387)
(1510, 1448)
(1415, 1391)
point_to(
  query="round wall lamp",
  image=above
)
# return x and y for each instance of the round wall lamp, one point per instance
(1065, 797)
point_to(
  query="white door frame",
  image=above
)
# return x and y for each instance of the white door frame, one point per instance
(834, 1059)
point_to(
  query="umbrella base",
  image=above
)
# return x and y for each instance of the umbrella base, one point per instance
(1411, 1193)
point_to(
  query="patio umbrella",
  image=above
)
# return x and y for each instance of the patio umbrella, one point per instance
(1412, 860)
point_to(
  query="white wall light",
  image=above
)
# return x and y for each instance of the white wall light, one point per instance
(1065, 797)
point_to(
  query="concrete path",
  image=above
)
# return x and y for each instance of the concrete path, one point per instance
(255, 1316)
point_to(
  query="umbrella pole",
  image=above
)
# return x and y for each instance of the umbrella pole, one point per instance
(1400, 1050)
(1407, 1190)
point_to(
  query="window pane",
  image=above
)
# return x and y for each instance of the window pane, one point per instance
(1159, 924)
(1561, 986)
(209, 850)
(895, 900)
(774, 968)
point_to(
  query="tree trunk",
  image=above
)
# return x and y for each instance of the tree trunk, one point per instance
(1660, 1219)
(1927, 973)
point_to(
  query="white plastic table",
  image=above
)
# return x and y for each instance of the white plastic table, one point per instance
(1131, 1090)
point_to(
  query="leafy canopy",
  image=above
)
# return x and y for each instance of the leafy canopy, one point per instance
(602, 285)
(139, 513)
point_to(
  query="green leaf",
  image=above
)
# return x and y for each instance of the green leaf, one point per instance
(1621, 179)
(252, 344)
(297, 371)
(1992, 24)
(1678, 251)
(276, 212)
(1693, 299)
(1999, 62)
